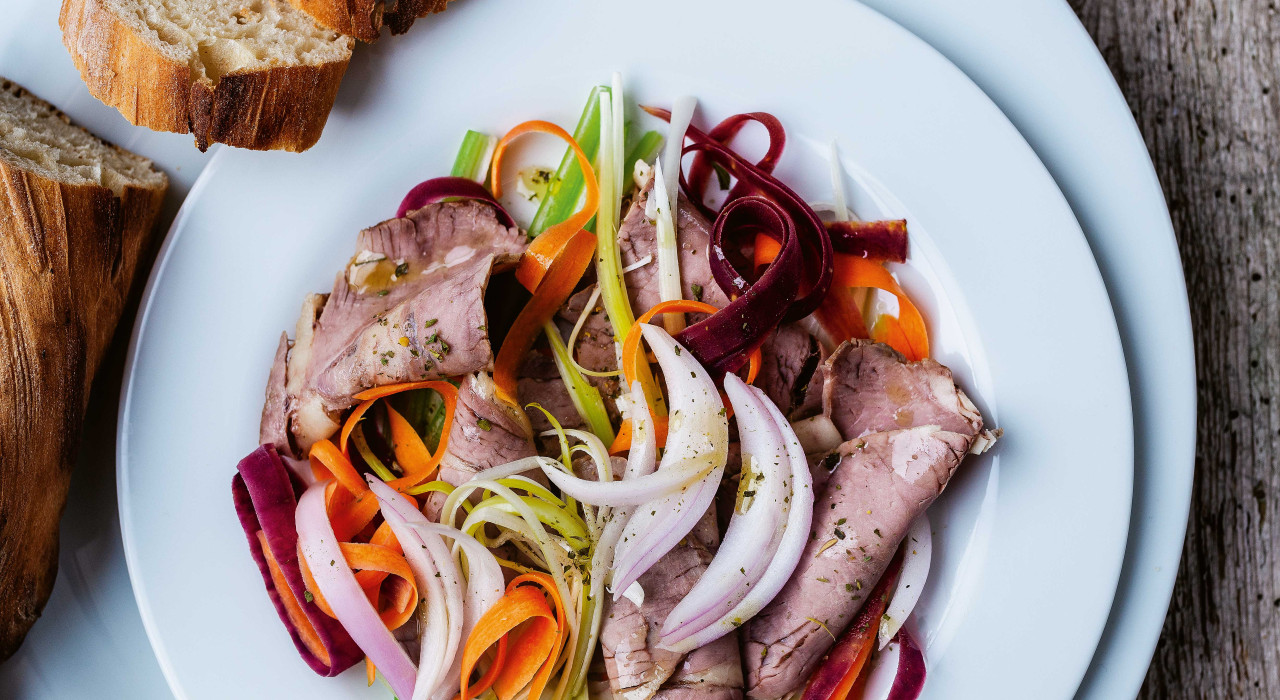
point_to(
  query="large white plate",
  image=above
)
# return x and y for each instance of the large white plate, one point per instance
(1080, 125)
(1030, 542)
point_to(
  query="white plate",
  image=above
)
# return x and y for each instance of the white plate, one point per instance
(1079, 123)
(1029, 326)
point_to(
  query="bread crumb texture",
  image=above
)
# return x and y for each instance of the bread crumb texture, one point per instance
(216, 37)
(35, 136)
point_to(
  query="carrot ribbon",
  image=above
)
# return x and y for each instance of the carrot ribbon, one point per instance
(551, 266)
(906, 333)
(528, 635)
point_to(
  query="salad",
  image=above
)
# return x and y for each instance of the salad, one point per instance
(672, 437)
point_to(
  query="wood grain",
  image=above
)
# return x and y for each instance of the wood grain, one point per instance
(1201, 78)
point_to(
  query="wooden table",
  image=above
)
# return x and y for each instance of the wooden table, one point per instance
(1201, 78)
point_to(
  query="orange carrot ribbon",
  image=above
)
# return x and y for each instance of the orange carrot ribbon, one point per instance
(546, 248)
(551, 266)
(529, 638)
(906, 334)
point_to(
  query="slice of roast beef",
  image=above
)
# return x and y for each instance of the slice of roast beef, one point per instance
(870, 387)
(274, 427)
(540, 383)
(712, 672)
(486, 432)
(883, 481)
(790, 359)
(637, 240)
(426, 319)
(409, 306)
(629, 636)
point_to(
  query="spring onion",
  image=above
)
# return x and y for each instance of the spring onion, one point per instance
(681, 116)
(473, 157)
(668, 247)
(645, 149)
(613, 288)
(567, 185)
(585, 397)
(837, 184)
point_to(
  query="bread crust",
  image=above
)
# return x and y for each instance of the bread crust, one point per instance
(364, 19)
(71, 253)
(282, 108)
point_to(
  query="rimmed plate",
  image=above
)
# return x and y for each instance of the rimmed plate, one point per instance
(1015, 298)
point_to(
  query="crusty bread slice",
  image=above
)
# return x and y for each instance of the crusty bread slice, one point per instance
(250, 73)
(76, 215)
(364, 19)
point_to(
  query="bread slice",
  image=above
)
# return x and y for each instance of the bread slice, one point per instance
(250, 73)
(76, 215)
(364, 19)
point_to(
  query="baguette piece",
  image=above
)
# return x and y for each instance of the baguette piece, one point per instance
(364, 19)
(76, 214)
(250, 73)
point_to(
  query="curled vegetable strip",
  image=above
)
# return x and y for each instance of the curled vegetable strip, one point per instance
(334, 579)
(917, 551)
(668, 248)
(757, 525)
(724, 340)
(448, 614)
(698, 436)
(441, 188)
(790, 549)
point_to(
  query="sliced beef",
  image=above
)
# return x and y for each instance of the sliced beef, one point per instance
(884, 480)
(274, 428)
(870, 387)
(486, 432)
(637, 666)
(427, 319)
(408, 307)
(907, 427)
(637, 239)
(712, 672)
(438, 332)
(789, 374)
(540, 383)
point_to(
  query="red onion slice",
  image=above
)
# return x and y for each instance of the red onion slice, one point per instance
(339, 587)
(439, 583)
(790, 549)
(438, 189)
(697, 439)
(917, 551)
(753, 535)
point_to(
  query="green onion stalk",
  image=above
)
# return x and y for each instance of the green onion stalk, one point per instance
(474, 156)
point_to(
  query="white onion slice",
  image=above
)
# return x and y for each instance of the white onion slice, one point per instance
(884, 668)
(338, 585)
(657, 527)
(818, 434)
(629, 492)
(917, 553)
(437, 573)
(697, 441)
(752, 537)
(796, 535)
(682, 110)
(897, 671)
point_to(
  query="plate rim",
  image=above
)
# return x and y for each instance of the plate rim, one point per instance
(172, 240)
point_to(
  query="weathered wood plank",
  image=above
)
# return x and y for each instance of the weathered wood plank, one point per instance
(1201, 78)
